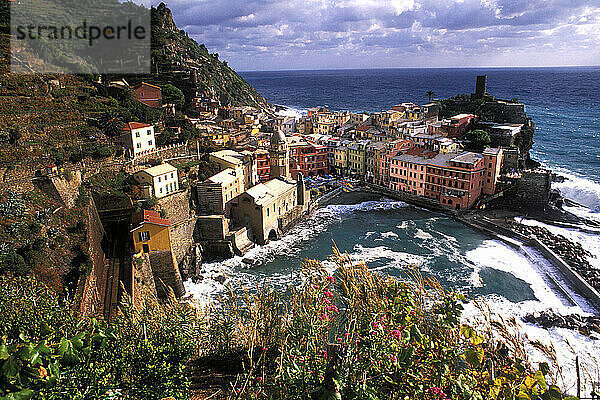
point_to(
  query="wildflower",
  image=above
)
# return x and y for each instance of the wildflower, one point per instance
(260, 378)
(333, 308)
(328, 293)
(347, 334)
(331, 279)
(326, 300)
(375, 324)
(413, 313)
(396, 333)
(315, 286)
(436, 391)
(393, 358)
(324, 317)
(43, 372)
(324, 353)
(321, 377)
(264, 349)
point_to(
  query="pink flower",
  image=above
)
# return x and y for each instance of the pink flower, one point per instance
(393, 359)
(347, 334)
(328, 293)
(315, 286)
(324, 353)
(331, 279)
(260, 378)
(333, 308)
(324, 317)
(413, 313)
(326, 300)
(375, 324)
(436, 391)
(396, 333)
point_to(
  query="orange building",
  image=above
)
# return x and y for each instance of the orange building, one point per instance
(148, 94)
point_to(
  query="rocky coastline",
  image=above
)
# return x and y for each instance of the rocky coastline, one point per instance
(588, 326)
(572, 253)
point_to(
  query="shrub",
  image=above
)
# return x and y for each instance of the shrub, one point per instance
(46, 351)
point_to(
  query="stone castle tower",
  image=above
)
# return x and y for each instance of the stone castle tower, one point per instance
(279, 154)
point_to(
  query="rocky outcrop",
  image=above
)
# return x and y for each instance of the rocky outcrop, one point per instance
(182, 62)
(548, 319)
(572, 253)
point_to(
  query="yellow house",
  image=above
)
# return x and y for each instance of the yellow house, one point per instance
(357, 157)
(150, 232)
(340, 160)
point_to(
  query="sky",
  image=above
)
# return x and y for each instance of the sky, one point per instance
(327, 34)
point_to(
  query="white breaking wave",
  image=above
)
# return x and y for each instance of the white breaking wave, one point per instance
(292, 112)
(231, 271)
(367, 206)
(580, 190)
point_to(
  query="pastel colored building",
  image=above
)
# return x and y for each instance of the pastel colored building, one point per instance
(458, 125)
(160, 181)
(148, 94)
(493, 158)
(216, 193)
(150, 232)
(138, 138)
(266, 207)
(307, 157)
(243, 163)
(456, 180)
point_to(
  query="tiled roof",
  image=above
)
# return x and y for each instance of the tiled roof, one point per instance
(160, 169)
(129, 126)
(148, 217)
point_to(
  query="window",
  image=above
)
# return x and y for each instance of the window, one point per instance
(150, 143)
(160, 190)
(149, 132)
(144, 236)
(139, 146)
(137, 134)
(159, 178)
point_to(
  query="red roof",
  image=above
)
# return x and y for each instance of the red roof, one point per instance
(420, 152)
(150, 217)
(128, 127)
(363, 128)
(147, 84)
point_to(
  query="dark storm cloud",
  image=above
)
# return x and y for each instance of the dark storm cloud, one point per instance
(278, 33)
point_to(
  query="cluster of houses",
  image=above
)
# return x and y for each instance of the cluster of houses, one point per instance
(260, 185)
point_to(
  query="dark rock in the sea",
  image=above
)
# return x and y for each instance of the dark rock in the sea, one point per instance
(548, 319)
(559, 178)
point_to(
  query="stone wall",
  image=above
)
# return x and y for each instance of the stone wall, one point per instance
(182, 238)
(177, 206)
(531, 192)
(241, 241)
(94, 284)
(67, 189)
(166, 274)
(143, 286)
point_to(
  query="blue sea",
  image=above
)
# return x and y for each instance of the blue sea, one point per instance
(389, 235)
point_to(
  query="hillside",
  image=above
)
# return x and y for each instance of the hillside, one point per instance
(174, 52)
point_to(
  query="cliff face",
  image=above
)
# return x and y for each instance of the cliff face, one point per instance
(181, 61)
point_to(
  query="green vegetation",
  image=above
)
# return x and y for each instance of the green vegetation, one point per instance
(478, 140)
(350, 335)
(48, 352)
(172, 95)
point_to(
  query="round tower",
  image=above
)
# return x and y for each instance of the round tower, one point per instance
(279, 155)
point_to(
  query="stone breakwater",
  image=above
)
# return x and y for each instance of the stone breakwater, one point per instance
(573, 253)
(548, 319)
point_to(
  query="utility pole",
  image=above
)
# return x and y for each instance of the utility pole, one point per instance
(578, 377)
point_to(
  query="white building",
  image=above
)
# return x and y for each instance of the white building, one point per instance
(138, 138)
(160, 180)
(289, 125)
